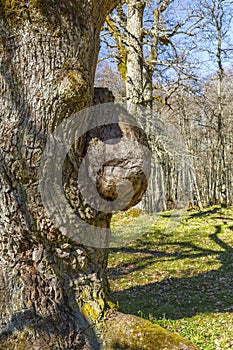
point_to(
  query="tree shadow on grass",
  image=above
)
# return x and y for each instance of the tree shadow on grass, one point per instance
(177, 298)
(204, 213)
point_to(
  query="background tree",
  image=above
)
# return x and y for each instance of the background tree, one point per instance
(204, 119)
(148, 29)
(180, 56)
(219, 19)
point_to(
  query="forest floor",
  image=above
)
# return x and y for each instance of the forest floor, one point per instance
(178, 273)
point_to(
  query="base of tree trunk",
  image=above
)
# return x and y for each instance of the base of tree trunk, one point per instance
(129, 332)
(23, 340)
(118, 332)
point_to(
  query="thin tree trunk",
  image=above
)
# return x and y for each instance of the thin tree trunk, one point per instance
(134, 79)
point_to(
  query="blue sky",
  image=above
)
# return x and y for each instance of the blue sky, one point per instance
(197, 49)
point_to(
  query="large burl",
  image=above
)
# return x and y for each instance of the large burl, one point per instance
(106, 170)
(118, 158)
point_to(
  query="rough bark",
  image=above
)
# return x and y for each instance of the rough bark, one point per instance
(51, 288)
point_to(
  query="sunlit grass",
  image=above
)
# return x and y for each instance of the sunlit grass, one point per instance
(181, 278)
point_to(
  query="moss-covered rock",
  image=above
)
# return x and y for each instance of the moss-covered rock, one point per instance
(130, 332)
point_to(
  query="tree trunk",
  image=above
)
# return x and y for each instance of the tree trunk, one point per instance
(134, 78)
(51, 288)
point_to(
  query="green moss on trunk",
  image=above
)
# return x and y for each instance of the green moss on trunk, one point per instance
(134, 333)
(47, 11)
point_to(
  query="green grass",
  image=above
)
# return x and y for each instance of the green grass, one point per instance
(179, 273)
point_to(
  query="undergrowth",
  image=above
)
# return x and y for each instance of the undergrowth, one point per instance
(178, 273)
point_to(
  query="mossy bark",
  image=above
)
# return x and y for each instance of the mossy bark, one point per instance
(128, 332)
